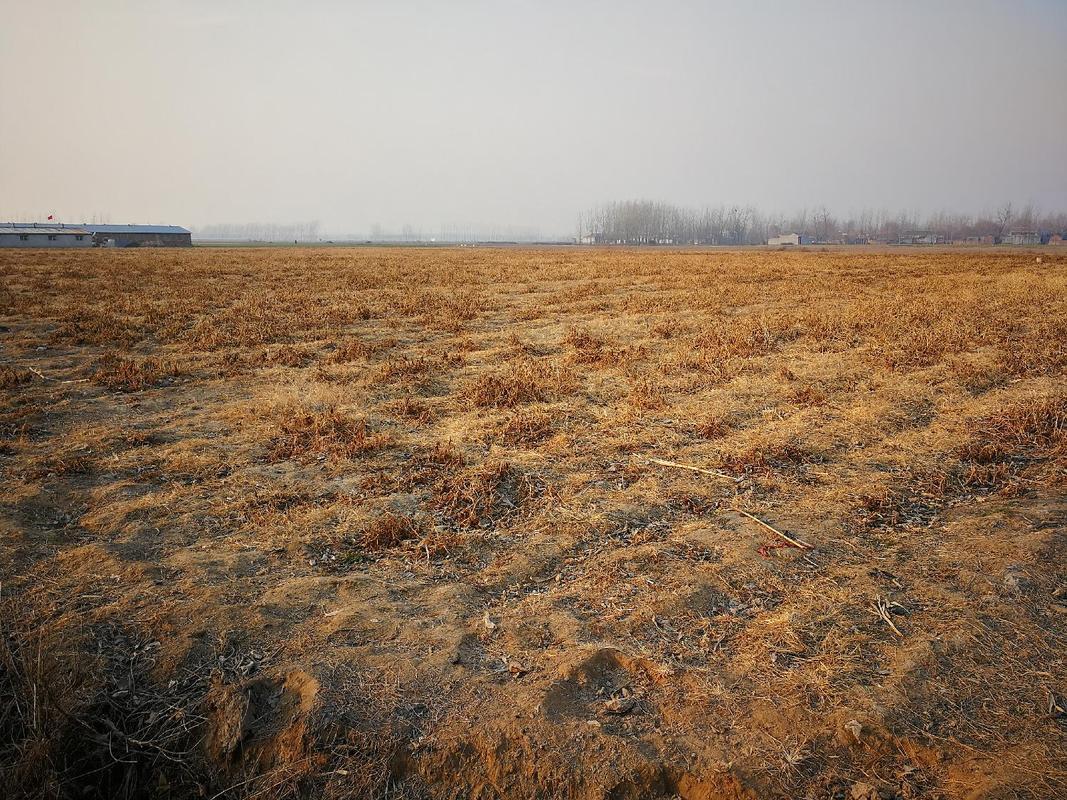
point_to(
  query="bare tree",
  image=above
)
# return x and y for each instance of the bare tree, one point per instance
(1005, 216)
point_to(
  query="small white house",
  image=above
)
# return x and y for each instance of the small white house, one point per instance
(1022, 238)
(786, 239)
(14, 234)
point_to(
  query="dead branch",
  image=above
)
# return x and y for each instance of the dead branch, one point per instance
(882, 607)
(713, 472)
(795, 542)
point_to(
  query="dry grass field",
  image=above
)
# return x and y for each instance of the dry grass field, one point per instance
(476, 523)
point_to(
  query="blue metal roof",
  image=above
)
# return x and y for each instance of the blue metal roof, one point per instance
(133, 228)
(51, 230)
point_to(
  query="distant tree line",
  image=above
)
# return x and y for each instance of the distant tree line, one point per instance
(647, 222)
(310, 232)
(260, 232)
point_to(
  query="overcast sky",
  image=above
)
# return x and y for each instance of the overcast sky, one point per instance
(522, 113)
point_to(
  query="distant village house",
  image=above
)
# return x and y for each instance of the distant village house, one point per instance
(921, 237)
(1022, 238)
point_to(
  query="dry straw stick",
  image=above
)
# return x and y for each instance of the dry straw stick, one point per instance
(717, 474)
(795, 542)
(714, 472)
(882, 607)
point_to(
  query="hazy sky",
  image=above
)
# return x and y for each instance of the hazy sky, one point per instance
(521, 113)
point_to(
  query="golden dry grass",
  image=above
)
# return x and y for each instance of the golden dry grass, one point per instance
(385, 522)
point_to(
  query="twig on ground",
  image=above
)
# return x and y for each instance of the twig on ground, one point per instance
(44, 377)
(713, 472)
(882, 607)
(795, 542)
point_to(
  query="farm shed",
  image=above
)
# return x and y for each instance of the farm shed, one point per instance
(13, 234)
(921, 237)
(1022, 238)
(784, 239)
(140, 235)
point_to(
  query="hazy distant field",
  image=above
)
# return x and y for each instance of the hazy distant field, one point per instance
(386, 522)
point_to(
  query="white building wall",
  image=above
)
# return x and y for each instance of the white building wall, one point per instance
(14, 239)
(788, 238)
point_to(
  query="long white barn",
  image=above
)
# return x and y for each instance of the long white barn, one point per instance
(14, 234)
(87, 234)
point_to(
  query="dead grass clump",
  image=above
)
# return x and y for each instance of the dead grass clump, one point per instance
(439, 456)
(715, 425)
(260, 505)
(306, 435)
(764, 459)
(65, 464)
(808, 396)
(449, 312)
(256, 319)
(1005, 443)
(87, 325)
(581, 339)
(528, 381)
(979, 378)
(707, 369)
(892, 507)
(351, 350)
(438, 543)
(647, 394)
(1040, 423)
(232, 365)
(667, 328)
(925, 350)
(587, 348)
(387, 531)
(127, 375)
(1038, 351)
(986, 478)
(745, 337)
(415, 370)
(522, 348)
(428, 464)
(404, 370)
(327, 372)
(481, 497)
(917, 499)
(131, 437)
(526, 428)
(413, 410)
(11, 378)
(79, 708)
(287, 356)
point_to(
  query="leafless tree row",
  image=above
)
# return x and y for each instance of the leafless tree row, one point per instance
(647, 222)
(260, 232)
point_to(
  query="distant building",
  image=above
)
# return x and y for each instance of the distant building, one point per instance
(785, 240)
(18, 234)
(139, 235)
(1058, 239)
(14, 234)
(1022, 238)
(921, 237)
(597, 238)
